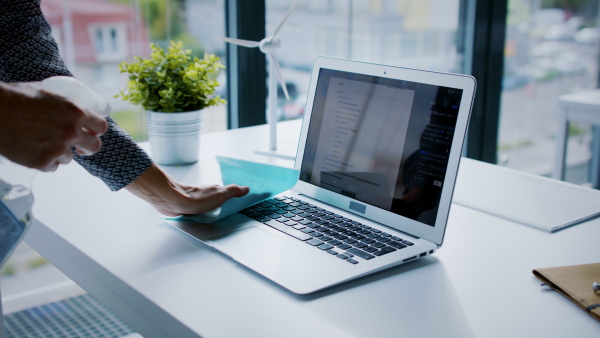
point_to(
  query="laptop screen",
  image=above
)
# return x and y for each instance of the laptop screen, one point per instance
(383, 141)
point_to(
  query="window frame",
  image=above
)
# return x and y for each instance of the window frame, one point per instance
(485, 23)
(247, 103)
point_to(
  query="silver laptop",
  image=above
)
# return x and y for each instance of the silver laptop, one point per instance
(378, 158)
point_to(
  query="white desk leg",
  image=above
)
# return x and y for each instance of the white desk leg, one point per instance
(1, 316)
(561, 145)
(595, 162)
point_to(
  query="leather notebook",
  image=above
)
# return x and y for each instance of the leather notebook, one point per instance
(575, 282)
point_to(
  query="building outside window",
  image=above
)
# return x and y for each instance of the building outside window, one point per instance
(109, 42)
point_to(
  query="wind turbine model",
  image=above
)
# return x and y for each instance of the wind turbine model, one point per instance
(269, 46)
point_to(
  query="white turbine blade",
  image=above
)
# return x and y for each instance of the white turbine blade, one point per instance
(240, 42)
(285, 18)
(273, 59)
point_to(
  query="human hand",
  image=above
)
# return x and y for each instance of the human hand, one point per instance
(171, 198)
(38, 128)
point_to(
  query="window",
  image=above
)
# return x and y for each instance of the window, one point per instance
(410, 33)
(109, 42)
(93, 37)
(551, 49)
(99, 41)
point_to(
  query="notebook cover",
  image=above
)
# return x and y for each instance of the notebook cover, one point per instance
(575, 283)
(528, 199)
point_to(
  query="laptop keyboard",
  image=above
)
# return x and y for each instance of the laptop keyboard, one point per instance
(325, 230)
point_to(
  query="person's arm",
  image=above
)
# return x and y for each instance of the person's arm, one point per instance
(38, 129)
(29, 53)
(172, 198)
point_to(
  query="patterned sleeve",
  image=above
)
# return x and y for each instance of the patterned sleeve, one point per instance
(29, 53)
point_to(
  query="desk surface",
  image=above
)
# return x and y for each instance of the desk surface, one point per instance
(589, 98)
(166, 284)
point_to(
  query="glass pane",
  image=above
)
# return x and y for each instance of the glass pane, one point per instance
(551, 49)
(93, 43)
(408, 33)
(205, 21)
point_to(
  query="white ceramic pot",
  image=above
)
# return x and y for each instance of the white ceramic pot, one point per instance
(174, 137)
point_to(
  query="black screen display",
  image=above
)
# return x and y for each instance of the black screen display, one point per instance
(382, 141)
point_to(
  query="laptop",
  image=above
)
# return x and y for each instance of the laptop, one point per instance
(378, 157)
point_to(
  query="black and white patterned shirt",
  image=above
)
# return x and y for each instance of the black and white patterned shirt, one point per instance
(29, 53)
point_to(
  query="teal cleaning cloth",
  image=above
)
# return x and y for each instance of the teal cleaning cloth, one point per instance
(264, 180)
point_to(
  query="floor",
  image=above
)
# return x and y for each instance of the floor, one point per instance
(79, 316)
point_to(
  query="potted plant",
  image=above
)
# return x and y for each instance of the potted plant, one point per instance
(172, 87)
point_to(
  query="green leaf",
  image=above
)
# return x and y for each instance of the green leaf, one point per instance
(171, 81)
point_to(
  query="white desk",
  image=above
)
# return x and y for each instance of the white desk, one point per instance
(578, 107)
(166, 284)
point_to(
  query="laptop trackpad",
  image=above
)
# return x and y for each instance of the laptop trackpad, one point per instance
(256, 247)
